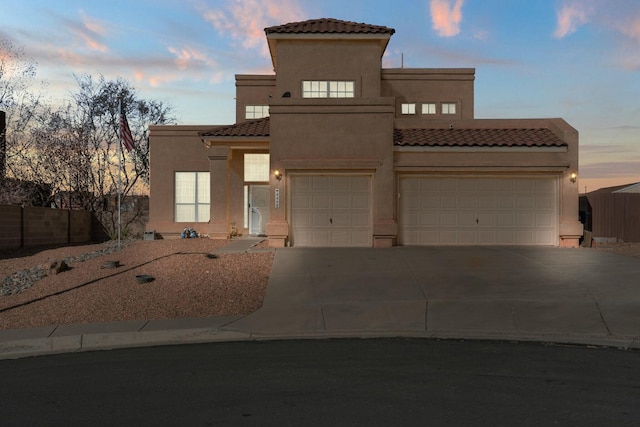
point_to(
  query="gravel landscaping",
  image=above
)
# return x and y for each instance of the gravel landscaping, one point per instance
(188, 281)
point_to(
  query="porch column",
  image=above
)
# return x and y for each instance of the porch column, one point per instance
(219, 158)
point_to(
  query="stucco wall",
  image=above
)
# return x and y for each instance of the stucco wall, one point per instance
(359, 61)
(419, 85)
(173, 149)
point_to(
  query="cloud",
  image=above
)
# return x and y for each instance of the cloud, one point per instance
(90, 30)
(570, 17)
(612, 169)
(245, 20)
(446, 17)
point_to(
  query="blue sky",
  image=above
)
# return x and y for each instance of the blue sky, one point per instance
(575, 59)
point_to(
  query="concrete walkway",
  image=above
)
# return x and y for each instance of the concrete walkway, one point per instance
(578, 296)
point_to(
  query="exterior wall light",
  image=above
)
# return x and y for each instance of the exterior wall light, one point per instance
(573, 177)
(277, 174)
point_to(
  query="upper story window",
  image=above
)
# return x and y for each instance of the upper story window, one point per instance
(256, 111)
(408, 108)
(429, 108)
(448, 108)
(328, 89)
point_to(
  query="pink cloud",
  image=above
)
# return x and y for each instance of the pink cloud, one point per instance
(446, 17)
(245, 20)
(570, 17)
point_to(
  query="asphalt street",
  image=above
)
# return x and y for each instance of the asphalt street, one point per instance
(327, 382)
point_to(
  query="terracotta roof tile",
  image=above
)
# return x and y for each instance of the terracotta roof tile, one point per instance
(328, 25)
(258, 127)
(476, 138)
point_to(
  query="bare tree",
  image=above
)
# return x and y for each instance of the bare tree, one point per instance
(20, 103)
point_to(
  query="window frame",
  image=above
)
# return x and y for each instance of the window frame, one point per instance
(328, 89)
(410, 108)
(449, 106)
(201, 209)
(432, 108)
(255, 111)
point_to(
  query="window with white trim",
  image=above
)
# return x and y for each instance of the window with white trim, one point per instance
(448, 108)
(256, 111)
(328, 89)
(192, 197)
(408, 108)
(428, 108)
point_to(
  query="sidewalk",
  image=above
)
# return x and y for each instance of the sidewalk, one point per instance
(576, 296)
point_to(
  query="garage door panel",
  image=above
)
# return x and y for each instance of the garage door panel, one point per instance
(486, 220)
(525, 220)
(467, 220)
(544, 220)
(478, 210)
(360, 201)
(487, 202)
(303, 201)
(361, 220)
(486, 237)
(467, 201)
(525, 202)
(428, 219)
(468, 237)
(448, 202)
(320, 219)
(448, 219)
(340, 201)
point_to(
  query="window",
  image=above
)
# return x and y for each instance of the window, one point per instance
(448, 108)
(328, 89)
(192, 197)
(429, 108)
(408, 108)
(256, 167)
(256, 111)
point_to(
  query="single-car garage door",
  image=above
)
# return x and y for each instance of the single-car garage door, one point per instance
(478, 210)
(330, 210)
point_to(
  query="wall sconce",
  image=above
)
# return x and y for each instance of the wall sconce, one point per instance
(277, 174)
(573, 177)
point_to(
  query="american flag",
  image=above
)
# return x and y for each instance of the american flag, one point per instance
(125, 133)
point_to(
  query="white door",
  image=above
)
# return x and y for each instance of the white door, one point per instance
(478, 210)
(258, 209)
(331, 210)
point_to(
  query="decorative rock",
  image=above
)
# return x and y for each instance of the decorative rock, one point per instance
(55, 267)
(22, 280)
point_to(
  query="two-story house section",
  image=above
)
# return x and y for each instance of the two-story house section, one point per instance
(334, 150)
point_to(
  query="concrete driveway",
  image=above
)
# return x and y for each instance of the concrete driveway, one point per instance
(542, 293)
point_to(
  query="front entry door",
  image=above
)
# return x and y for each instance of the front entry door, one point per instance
(258, 209)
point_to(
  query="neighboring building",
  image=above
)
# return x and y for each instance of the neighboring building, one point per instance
(334, 150)
(613, 214)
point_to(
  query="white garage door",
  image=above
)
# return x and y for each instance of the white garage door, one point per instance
(331, 210)
(492, 211)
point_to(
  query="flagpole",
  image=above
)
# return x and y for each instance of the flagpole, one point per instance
(119, 162)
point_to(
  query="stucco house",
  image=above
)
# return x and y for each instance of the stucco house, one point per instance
(335, 150)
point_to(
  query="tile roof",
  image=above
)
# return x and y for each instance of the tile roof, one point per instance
(541, 137)
(258, 127)
(328, 25)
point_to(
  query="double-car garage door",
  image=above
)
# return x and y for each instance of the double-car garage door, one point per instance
(477, 210)
(336, 210)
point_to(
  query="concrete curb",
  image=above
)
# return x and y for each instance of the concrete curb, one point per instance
(30, 347)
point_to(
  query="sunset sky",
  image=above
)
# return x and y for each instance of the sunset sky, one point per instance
(575, 59)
